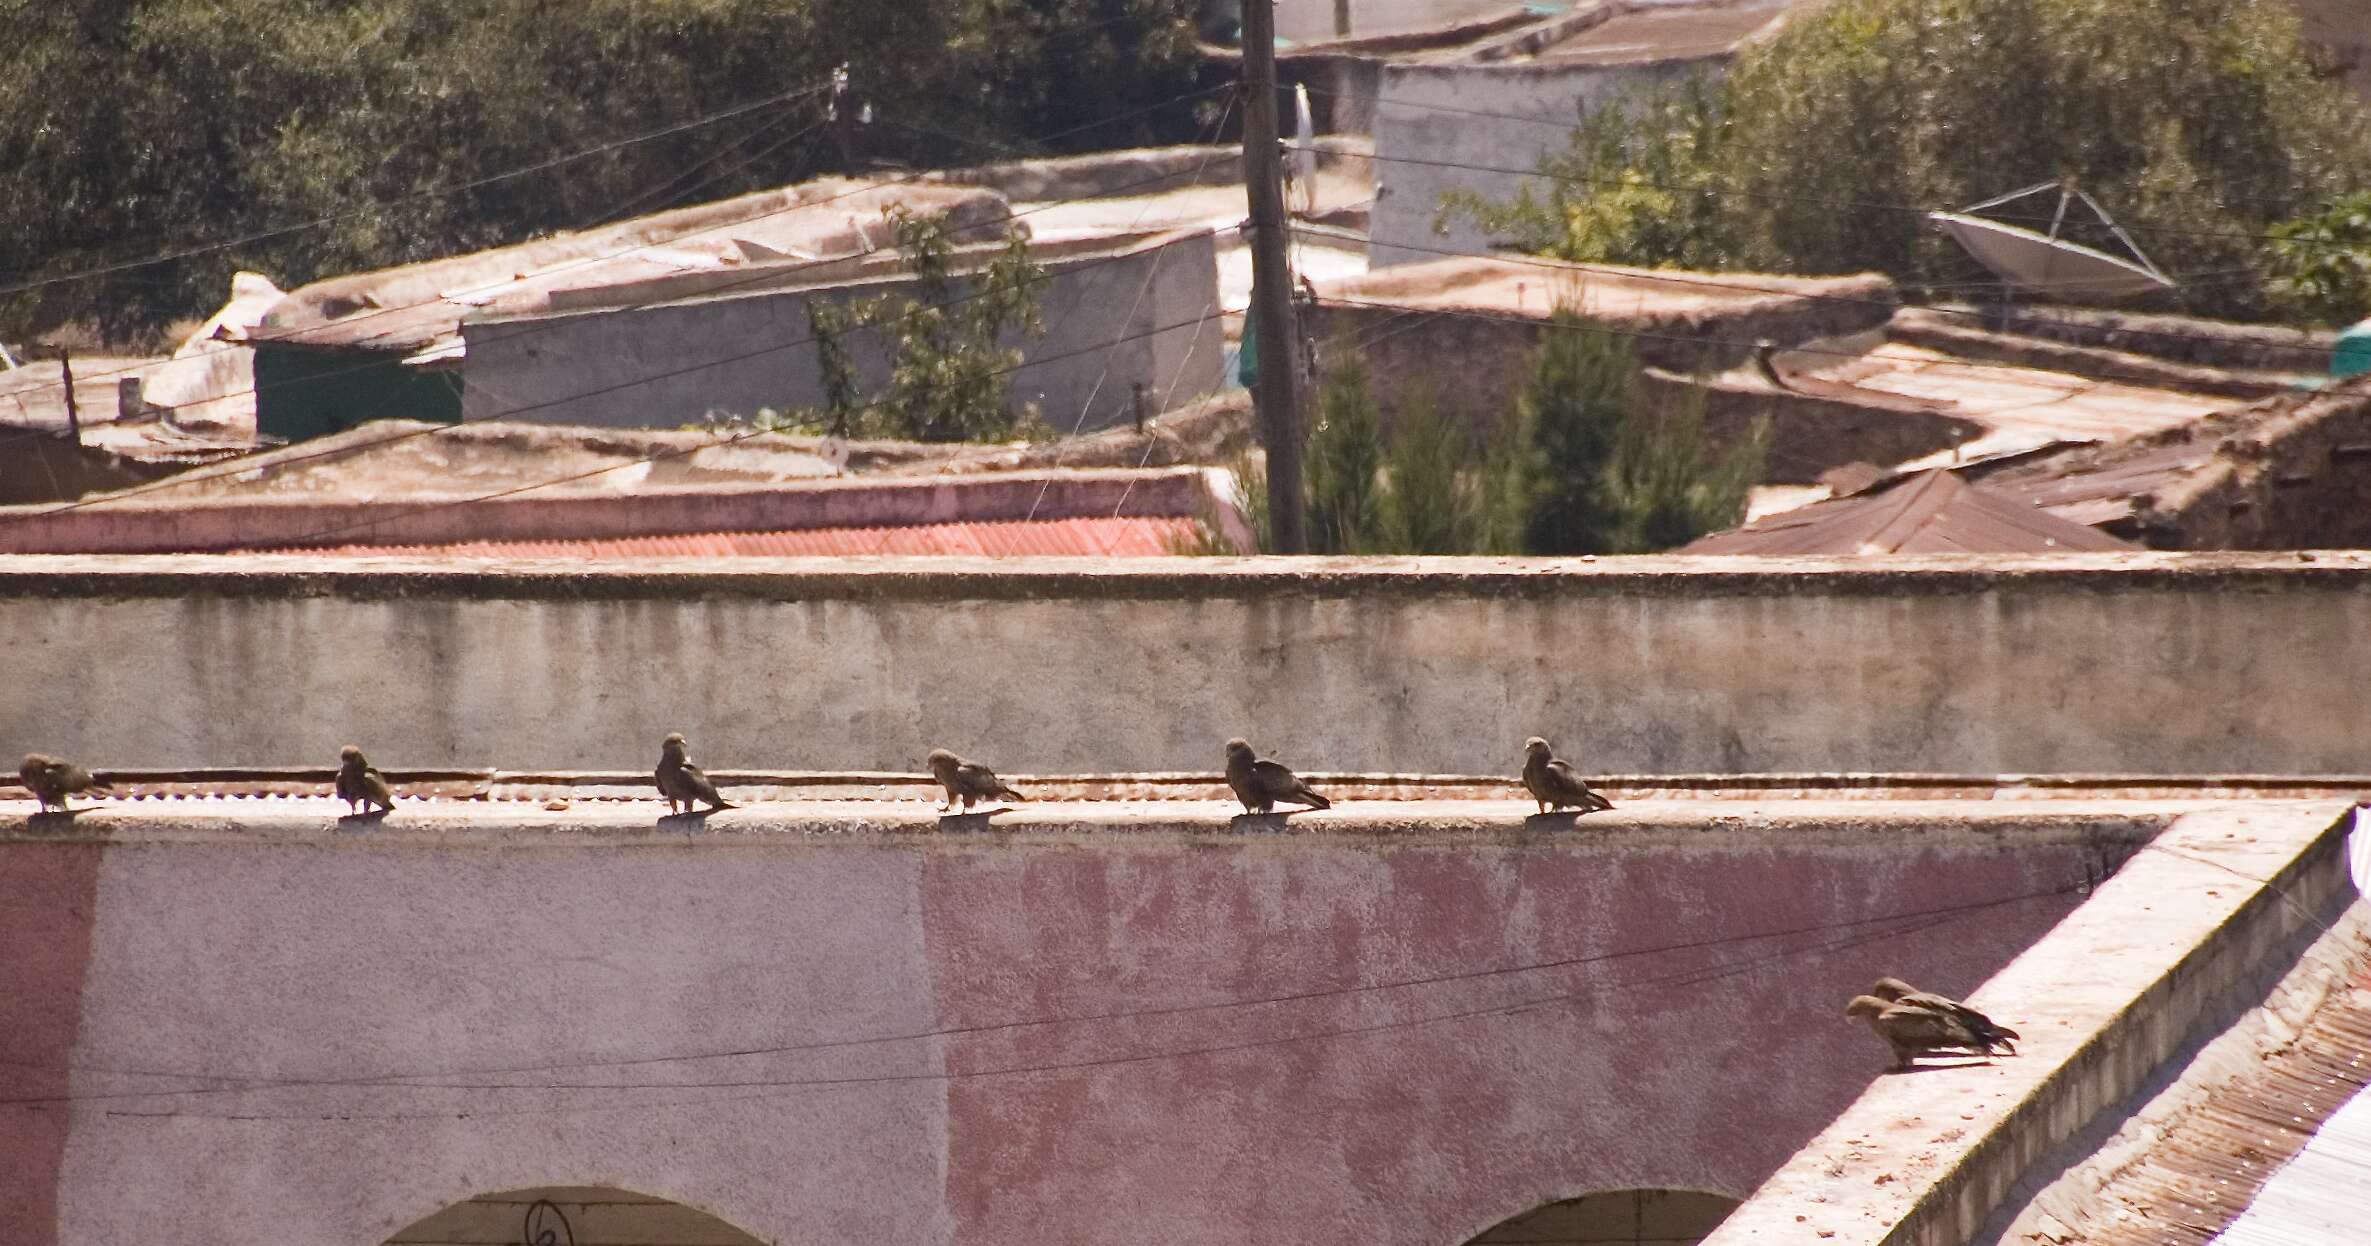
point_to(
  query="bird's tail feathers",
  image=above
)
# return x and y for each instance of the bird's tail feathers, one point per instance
(1315, 801)
(1006, 790)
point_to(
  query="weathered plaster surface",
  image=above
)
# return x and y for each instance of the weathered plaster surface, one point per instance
(2152, 663)
(816, 1022)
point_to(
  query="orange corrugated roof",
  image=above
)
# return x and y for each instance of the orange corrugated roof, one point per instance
(1131, 537)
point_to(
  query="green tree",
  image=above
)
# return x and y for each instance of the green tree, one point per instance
(332, 135)
(1638, 183)
(1344, 453)
(1430, 503)
(1664, 487)
(2200, 123)
(1601, 472)
(950, 371)
(1569, 414)
(2321, 263)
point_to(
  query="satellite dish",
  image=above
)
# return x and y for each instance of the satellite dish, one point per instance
(2046, 263)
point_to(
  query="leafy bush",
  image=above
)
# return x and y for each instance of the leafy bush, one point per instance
(2199, 123)
(950, 373)
(2321, 263)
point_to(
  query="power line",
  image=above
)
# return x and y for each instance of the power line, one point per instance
(769, 274)
(182, 253)
(776, 1088)
(730, 439)
(856, 188)
(525, 170)
(1868, 929)
(1730, 283)
(1768, 196)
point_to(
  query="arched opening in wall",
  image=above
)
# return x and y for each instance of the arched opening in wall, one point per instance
(570, 1216)
(1616, 1218)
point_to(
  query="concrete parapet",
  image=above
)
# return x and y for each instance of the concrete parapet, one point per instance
(2160, 953)
(2137, 664)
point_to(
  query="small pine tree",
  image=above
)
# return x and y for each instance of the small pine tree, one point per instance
(1344, 454)
(1599, 475)
(1428, 498)
(1663, 487)
(1568, 417)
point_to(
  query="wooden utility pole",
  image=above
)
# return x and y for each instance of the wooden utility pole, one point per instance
(1277, 396)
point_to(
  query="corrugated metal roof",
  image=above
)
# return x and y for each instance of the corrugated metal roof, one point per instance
(1929, 513)
(2206, 1170)
(1106, 538)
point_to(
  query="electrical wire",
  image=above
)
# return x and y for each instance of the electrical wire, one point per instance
(769, 274)
(1866, 929)
(1766, 196)
(540, 166)
(857, 188)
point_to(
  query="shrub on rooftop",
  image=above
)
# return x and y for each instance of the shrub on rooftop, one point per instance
(2199, 123)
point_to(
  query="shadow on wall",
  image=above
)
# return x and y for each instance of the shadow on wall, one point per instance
(567, 1216)
(1616, 1218)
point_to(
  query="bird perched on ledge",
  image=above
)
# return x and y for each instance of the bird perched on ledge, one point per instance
(360, 783)
(1913, 1031)
(967, 780)
(1260, 783)
(1554, 783)
(1989, 1033)
(681, 782)
(52, 780)
(1763, 350)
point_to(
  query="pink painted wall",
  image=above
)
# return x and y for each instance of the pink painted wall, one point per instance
(269, 950)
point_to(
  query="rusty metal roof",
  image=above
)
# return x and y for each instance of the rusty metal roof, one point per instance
(2206, 1169)
(1932, 512)
(1142, 536)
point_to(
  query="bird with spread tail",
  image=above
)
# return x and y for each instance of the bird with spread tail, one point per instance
(1554, 783)
(1260, 783)
(1993, 1038)
(683, 783)
(52, 780)
(360, 783)
(968, 781)
(1913, 1031)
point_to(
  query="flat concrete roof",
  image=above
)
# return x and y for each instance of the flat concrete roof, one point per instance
(1657, 34)
(1534, 288)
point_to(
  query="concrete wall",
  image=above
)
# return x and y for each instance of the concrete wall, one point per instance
(674, 363)
(234, 1025)
(1427, 112)
(1402, 345)
(2186, 937)
(2135, 663)
(2296, 479)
